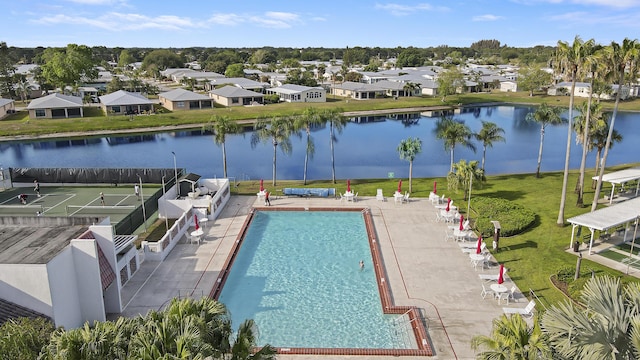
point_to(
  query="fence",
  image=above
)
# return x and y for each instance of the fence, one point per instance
(136, 218)
(76, 176)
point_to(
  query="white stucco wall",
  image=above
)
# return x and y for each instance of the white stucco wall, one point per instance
(27, 285)
(104, 237)
(87, 270)
(64, 290)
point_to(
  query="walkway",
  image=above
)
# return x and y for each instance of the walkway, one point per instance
(423, 269)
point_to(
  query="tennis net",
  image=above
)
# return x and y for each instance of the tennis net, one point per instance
(98, 210)
(22, 209)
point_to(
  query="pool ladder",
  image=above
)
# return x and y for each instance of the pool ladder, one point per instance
(403, 330)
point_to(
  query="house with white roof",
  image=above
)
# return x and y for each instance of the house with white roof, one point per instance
(55, 106)
(242, 83)
(124, 102)
(235, 96)
(7, 106)
(358, 91)
(399, 89)
(181, 99)
(583, 89)
(69, 269)
(299, 93)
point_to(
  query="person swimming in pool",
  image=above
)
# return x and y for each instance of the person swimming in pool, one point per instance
(361, 264)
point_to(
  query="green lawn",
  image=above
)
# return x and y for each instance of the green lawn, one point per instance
(20, 124)
(531, 257)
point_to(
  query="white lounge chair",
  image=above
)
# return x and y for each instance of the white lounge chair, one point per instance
(511, 294)
(379, 195)
(469, 250)
(405, 199)
(355, 197)
(492, 277)
(527, 312)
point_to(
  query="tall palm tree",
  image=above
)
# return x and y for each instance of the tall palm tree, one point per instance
(489, 134)
(570, 58)
(408, 150)
(454, 133)
(337, 123)
(221, 126)
(310, 118)
(599, 141)
(545, 115)
(23, 88)
(618, 57)
(278, 130)
(590, 67)
(512, 339)
(609, 328)
(591, 115)
(465, 175)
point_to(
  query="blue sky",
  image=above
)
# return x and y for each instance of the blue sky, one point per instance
(300, 23)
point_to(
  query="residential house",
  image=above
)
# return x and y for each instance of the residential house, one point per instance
(358, 91)
(55, 106)
(181, 99)
(235, 96)
(508, 86)
(7, 106)
(398, 89)
(242, 83)
(299, 93)
(123, 102)
(583, 89)
(69, 269)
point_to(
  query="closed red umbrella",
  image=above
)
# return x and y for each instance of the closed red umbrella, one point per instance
(461, 221)
(348, 185)
(479, 248)
(434, 188)
(501, 274)
(195, 220)
(261, 185)
(400, 186)
(448, 204)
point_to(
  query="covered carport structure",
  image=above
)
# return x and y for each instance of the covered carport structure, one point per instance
(607, 218)
(620, 178)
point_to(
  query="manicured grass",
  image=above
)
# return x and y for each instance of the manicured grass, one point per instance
(20, 124)
(620, 257)
(531, 257)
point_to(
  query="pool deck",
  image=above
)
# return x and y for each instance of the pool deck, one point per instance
(422, 268)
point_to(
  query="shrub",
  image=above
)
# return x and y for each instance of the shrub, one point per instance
(513, 218)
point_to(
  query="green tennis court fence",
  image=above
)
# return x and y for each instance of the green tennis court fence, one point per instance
(32, 209)
(98, 210)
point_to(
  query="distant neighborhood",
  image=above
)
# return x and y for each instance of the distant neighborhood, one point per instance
(136, 88)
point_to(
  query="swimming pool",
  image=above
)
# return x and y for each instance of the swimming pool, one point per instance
(297, 275)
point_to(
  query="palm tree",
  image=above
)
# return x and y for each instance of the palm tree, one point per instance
(221, 126)
(464, 176)
(591, 65)
(409, 88)
(512, 339)
(489, 134)
(23, 88)
(618, 58)
(545, 115)
(309, 119)
(570, 58)
(408, 150)
(454, 133)
(278, 130)
(598, 140)
(245, 341)
(337, 122)
(609, 328)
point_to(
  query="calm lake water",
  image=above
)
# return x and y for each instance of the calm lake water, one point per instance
(365, 149)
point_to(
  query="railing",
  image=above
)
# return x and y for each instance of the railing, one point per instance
(158, 251)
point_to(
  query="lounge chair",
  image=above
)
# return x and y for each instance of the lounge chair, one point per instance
(492, 277)
(355, 197)
(405, 199)
(379, 195)
(469, 250)
(527, 312)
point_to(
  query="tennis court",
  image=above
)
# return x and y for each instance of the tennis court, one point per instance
(119, 201)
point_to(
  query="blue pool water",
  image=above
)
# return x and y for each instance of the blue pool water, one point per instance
(297, 275)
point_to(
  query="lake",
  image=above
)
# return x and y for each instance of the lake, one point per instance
(365, 149)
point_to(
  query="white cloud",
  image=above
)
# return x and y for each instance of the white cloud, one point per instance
(100, 2)
(629, 20)
(620, 4)
(402, 10)
(487, 17)
(226, 19)
(270, 19)
(115, 21)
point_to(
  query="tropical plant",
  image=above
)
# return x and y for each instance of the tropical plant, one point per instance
(570, 58)
(221, 126)
(337, 122)
(454, 133)
(408, 150)
(278, 130)
(489, 134)
(512, 339)
(246, 337)
(599, 141)
(618, 57)
(410, 88)
(24, 338)
(609, 327)
(310, 118)
(23, 88)
(545, 115)
(464, 176)
(450, 82)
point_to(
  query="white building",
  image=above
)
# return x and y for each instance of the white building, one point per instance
(299, 93)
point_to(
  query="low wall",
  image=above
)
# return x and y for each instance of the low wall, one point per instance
(158, 251)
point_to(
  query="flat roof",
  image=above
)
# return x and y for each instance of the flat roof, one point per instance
(622, 176)
(35, 243)
(609, 217)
